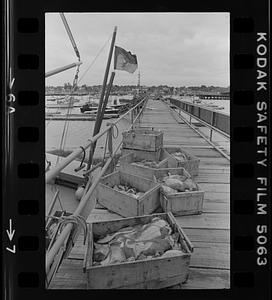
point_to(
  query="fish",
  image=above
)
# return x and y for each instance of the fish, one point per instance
(175, 184)
(170, 253)
(167, 190)
(127, 231)
(135, 243)
(190, 184)
(180, 156)
(116, 254)
(158, 246)
(101, 251)
(136, 248)
(153, 230)
(176, 176)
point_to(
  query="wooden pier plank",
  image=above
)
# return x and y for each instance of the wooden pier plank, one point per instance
(205, 220)
(202, 278)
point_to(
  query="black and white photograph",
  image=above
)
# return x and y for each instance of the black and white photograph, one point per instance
(137, 150)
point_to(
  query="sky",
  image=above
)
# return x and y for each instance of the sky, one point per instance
(174, 49)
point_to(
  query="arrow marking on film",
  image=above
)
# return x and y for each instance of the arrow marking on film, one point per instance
(13, 250)
(10, 232)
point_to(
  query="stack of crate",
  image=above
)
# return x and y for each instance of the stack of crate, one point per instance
(143, 143)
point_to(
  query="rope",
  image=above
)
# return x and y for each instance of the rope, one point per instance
(76, 220)
(48, 164)
(94, 60)
(60, 203)
(105, 148)
(66, 123)
(82, 160)
(117, 132)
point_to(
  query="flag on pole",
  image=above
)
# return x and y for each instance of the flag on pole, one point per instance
(124, 60)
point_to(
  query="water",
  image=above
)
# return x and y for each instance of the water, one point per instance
(224, 103)
(217, 138)
(80, 131)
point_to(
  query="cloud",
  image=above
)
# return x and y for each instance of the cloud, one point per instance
(172, 48)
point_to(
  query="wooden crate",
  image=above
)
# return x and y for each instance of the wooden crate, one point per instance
(191, 164)
(143, 138)
(180, 203)
(143, 154)
(154, 273)
(163, 158)
(126, 205)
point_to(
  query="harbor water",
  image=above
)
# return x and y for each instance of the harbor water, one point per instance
(79, 132)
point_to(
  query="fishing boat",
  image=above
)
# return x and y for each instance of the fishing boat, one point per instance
(113, 108)
(50, 98)
(214, 106)
(124, 100)
(61, 103)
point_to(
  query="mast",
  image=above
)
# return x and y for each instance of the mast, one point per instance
(99, 115)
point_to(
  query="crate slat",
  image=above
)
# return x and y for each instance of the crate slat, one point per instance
(143, 138)
(162, 158)
(191, 164)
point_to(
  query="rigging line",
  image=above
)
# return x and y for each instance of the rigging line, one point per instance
(66, 124)
(75, 84)
(94, 60)
(70, 34)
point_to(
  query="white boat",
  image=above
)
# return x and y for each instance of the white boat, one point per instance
(67, 102)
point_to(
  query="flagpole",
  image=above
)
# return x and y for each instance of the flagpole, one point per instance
(99, 115)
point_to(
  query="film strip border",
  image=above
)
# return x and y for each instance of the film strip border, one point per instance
(250, 161)
(24, 165)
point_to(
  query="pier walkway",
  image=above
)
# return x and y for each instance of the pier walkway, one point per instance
(208, 232)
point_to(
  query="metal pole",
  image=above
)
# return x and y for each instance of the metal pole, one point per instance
(97, 126)
(61, 69)
(70, 34)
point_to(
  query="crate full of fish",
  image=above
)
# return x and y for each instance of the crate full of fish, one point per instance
(185, 160)
(128, 195)
(143, 138)
(180, 194)
(140, 164)
(144, 252)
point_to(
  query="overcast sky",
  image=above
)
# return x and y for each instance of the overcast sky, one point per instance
(176, 49)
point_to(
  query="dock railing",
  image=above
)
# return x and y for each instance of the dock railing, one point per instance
(60, 244)
(216, 121)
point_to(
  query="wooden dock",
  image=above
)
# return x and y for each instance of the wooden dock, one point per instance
(209, 232)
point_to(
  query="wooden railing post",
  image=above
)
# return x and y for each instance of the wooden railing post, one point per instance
(212, 120)
(211, 131)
